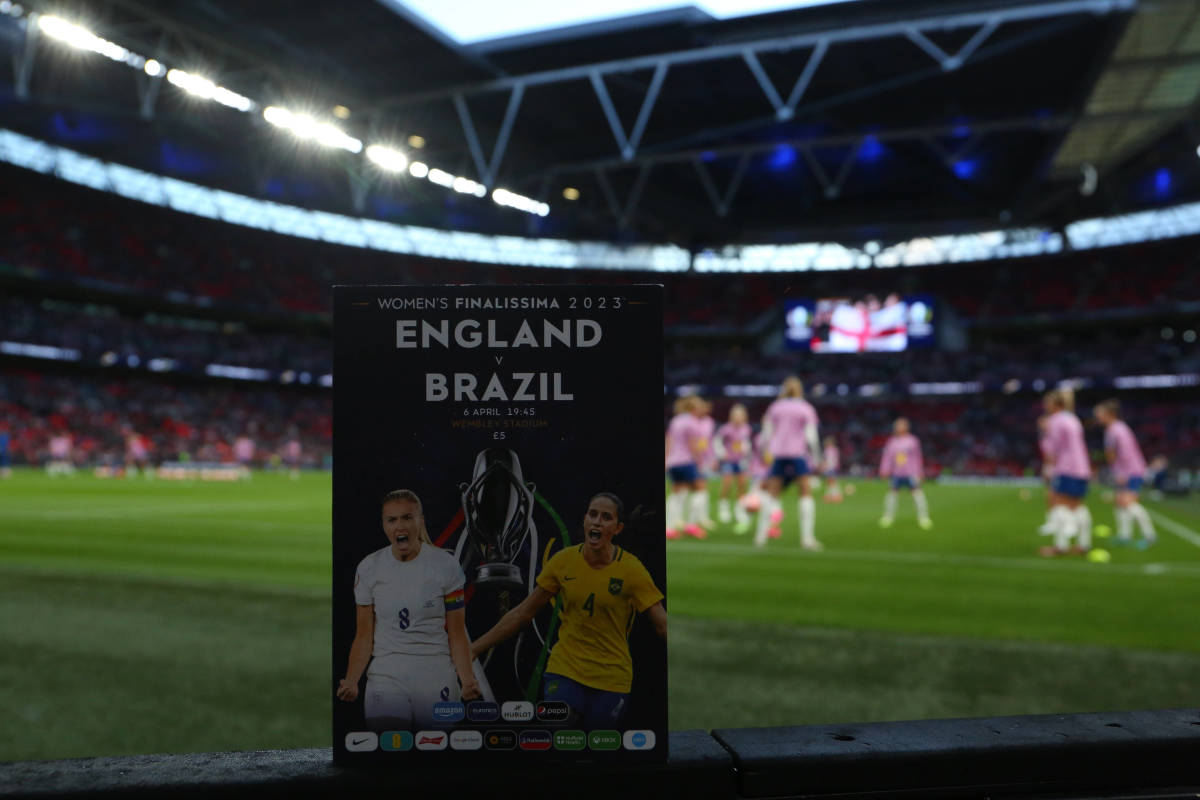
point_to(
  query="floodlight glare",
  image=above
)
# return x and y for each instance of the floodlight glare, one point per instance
(441, 178)
(277, 116)
(387, 158)
(571, 193)
(81, 38)
(418, 169)
(467, 186)
(341, 112)
(416, 141)
(153, 68)
(202, 87)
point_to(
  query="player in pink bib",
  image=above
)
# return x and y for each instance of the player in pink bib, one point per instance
(60, 462)
(1065, 450)
(831, 462)
(732, 444)
(902, 462)
(790, 424)
(1128, 467)
(686, 446)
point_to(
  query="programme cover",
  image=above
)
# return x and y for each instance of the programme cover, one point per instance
(498, 554)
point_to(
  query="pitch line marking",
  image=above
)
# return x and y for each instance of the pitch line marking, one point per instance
(939, 559)
(1182, 531)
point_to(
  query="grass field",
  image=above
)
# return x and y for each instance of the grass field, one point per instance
(155, 616)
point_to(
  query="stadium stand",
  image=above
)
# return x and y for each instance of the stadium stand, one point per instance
(187, 293)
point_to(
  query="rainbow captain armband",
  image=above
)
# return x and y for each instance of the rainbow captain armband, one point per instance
(455, 600)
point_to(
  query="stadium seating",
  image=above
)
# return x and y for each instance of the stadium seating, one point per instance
(198, 292)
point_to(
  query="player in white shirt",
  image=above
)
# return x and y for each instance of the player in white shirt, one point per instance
(411, 634)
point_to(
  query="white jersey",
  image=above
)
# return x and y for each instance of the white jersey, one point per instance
(411, 599)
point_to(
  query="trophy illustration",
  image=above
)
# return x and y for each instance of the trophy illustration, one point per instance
(498, 513)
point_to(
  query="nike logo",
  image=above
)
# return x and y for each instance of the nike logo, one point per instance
(357, 741)
(565, 578)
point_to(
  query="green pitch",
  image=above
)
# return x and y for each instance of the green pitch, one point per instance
(154, 616)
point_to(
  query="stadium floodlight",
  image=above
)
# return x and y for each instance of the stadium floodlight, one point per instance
(341, 112)
(202, 87)
(416, 142)
(153, 68)
(306, 127)
(81, 38)
(418, 169)
(571, 193)
(504, 197)
(441, 178)
(387, 158)
(468, 186)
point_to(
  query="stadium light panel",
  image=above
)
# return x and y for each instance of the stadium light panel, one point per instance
(153, 68)
(304, 126)
(81, 38)
(441, 178)
(202, 87)
(504, 197)
(43, 351)
(387, 158)
(418, 169)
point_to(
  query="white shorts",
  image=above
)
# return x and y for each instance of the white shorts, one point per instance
(401, 690)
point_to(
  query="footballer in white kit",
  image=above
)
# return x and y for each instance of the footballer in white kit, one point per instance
(411, 614)
(410, 666)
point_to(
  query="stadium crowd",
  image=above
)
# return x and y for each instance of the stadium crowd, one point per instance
(75, 235)
(200, 292)
(176, 422)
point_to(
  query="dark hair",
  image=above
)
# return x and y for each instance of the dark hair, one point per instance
(616, 501)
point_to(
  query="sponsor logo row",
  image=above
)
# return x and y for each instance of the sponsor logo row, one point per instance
(397, 741)
(482, 711)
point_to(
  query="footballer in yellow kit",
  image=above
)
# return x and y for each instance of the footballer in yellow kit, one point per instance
(602, 588)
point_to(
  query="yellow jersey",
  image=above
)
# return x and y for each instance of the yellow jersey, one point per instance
(599, 607)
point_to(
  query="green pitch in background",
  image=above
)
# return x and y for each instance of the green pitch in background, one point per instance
(141, 616)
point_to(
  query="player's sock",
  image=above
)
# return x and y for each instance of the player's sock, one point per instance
(1124, 524)
(922, 505)
(740, 514)
(1139, 513)
(1083, 523)
(723, 512)
(769, 505)
(675, 503)
(698, 507)
(889, 504)
(1064, 526)
(808, 518)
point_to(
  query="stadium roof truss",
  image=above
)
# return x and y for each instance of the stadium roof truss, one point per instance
(628, 141)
